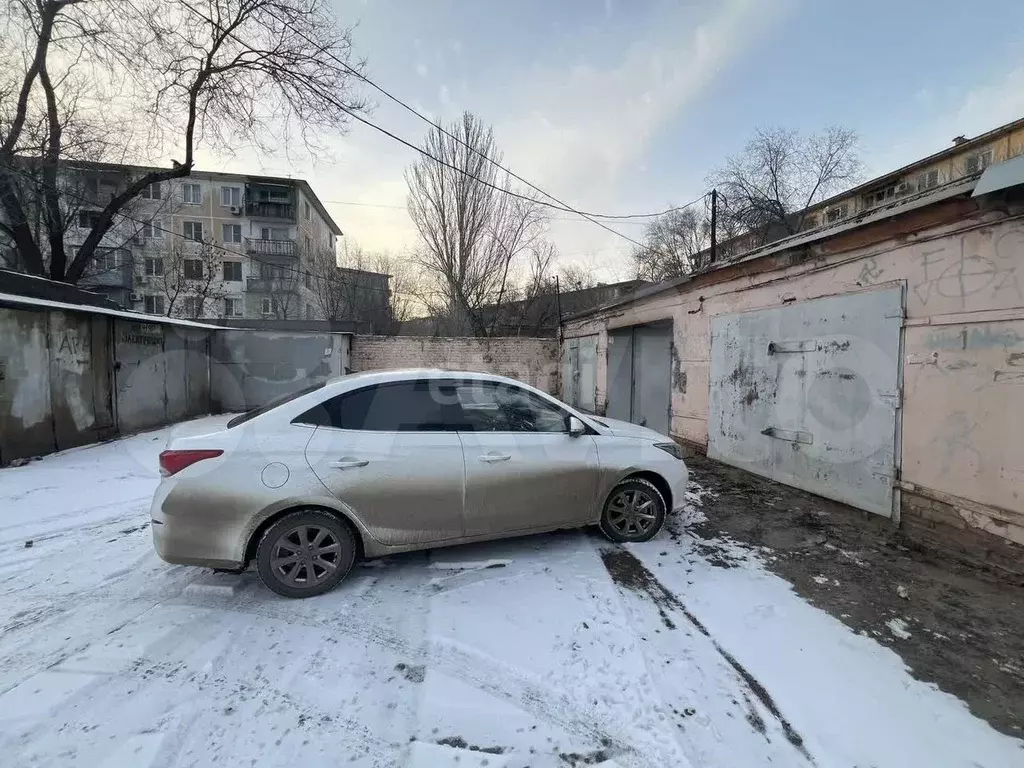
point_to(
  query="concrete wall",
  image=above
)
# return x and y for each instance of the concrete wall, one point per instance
(71, 378)
(534, 361)
(963, 363)
(250, 368)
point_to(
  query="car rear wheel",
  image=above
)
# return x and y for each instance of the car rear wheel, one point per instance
(305, 553)
(634, 511)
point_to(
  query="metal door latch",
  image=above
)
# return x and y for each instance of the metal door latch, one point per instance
(792, 435)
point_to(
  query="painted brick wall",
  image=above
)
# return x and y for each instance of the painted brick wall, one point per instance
(534, 361)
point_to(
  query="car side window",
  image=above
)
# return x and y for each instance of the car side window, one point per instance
(489, 406)
(407, 406)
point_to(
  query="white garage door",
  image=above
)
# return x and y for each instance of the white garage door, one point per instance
(808, 395)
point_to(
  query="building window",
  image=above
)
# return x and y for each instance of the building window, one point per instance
(309, 311)
(977, 163)
(88, 219)
(153, 305)
(108, 260)
(232, 233)
(810, 222)
(232, 307)
(192, 193)
(154, 267)
(151, 230)
(231, 197)
(193, 269)
(151, 191)
(274, 233)
(836, 213)
(268, 306)
(309, 280)
(271, 271)
(305, 209)
(92, 185)
(192, 306)
(879, 196)
(233, 271)
(308, 243)
(927, 180)
(193, 230)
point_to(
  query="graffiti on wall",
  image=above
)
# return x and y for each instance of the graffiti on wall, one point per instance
(958, 271)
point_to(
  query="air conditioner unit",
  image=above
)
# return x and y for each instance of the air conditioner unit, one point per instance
(236, 209)
(134, 297)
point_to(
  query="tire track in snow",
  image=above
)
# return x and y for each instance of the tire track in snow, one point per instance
(628, 572)
(476, 669)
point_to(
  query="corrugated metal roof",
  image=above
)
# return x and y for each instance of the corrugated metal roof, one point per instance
(1001, 176)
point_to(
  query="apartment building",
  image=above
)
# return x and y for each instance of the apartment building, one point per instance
(212, 245)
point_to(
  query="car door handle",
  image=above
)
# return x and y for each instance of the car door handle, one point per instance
(492, 458)
(349, 463)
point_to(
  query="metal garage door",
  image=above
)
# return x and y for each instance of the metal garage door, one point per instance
(640, 375)
(808, 395)
(579, 372)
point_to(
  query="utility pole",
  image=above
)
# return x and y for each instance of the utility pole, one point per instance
(714, 225)
(558, 304)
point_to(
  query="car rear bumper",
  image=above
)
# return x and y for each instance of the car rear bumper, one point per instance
(189, 539)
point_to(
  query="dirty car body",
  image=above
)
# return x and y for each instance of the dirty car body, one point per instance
(407, 460)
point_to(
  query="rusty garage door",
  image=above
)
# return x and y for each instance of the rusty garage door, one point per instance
(808, 394)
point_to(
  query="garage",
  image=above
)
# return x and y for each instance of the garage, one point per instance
(640, 375)
(808, 394)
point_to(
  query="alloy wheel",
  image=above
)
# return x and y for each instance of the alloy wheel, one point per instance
(632, 512)
(305, 556)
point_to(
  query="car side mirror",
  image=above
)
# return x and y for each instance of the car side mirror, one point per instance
(576, 427)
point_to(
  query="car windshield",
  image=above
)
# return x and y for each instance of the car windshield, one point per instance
(271, 405)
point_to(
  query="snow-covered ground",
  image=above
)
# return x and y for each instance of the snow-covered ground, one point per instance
(552, 651)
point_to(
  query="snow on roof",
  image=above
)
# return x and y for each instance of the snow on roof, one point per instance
(138, 317)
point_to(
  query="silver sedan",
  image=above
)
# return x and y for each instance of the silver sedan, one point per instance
(378, 463)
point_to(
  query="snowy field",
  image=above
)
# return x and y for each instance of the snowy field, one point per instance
(557, 650)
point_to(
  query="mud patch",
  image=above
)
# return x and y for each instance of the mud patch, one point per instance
(414, 673)
(585, 758)
(460, 743)
(966, 623)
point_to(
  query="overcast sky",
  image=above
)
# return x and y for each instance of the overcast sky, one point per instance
(625, 106)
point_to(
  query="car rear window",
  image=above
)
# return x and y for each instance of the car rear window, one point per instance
(275, 403)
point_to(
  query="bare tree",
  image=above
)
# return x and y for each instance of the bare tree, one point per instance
(180, 73)
(675, 244)
(576, 277)
(780, 173)
(472, 232)
(360, 286)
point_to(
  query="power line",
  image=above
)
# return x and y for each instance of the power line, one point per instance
(561, 205)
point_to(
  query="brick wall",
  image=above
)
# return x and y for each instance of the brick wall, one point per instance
(534, 361)
(956, 529)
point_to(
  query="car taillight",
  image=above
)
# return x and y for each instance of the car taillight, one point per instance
(172, 462)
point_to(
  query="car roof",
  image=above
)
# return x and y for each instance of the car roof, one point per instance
(409, 374)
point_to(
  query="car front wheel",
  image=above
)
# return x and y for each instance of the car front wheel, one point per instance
(634, 511)
(305, 553)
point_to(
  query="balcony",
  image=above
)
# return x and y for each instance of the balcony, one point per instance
(259, 247)
(269, 210)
